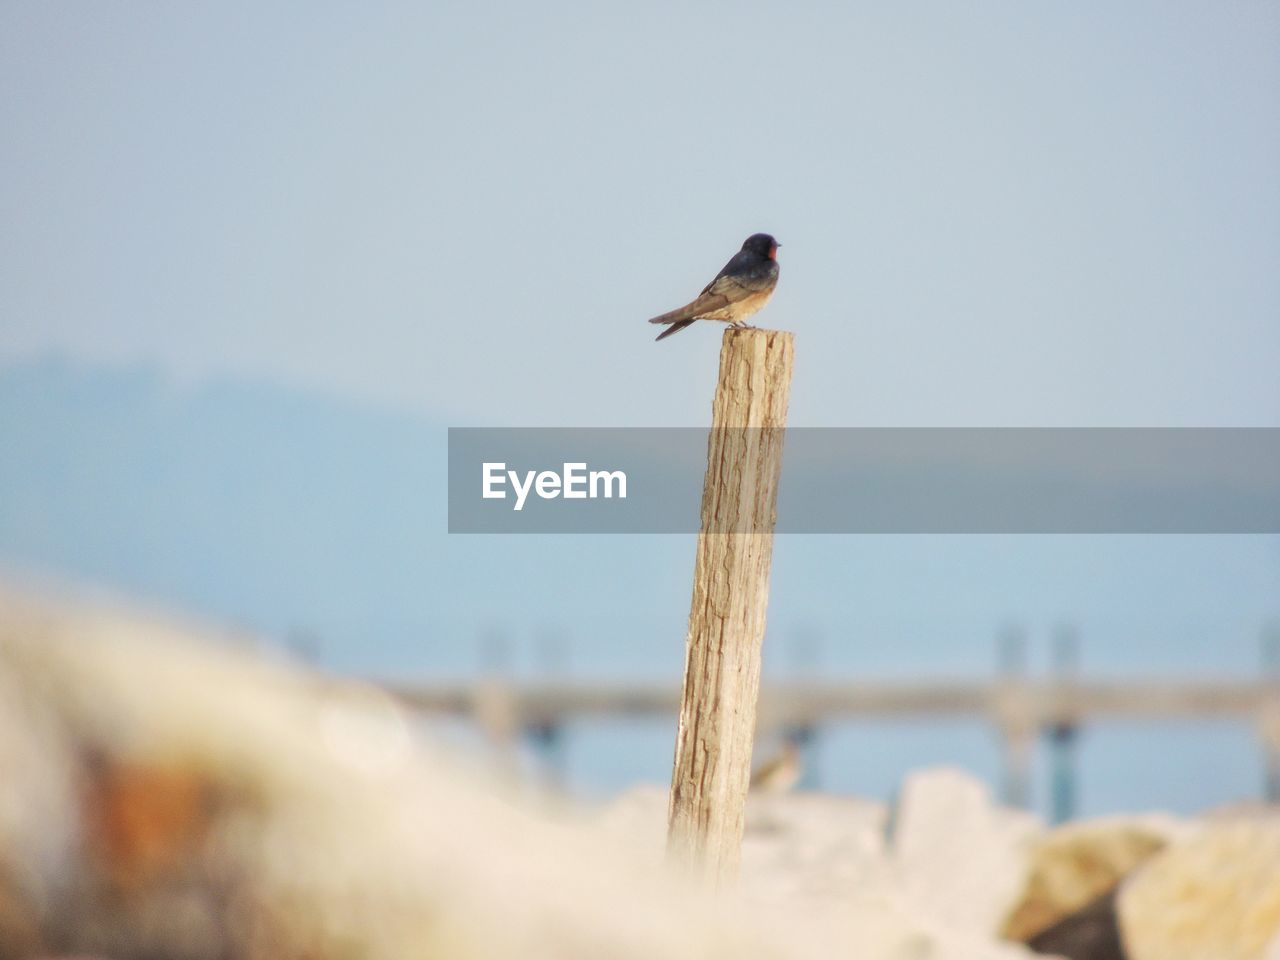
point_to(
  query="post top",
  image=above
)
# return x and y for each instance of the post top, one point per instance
(756, 332)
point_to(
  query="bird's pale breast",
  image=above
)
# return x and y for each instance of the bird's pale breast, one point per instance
(741, 309)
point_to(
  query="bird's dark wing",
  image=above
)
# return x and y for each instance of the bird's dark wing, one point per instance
(708, 301)
(745, 275)
(729, 288)
(739, 263)
(751, 273)
(719, 293)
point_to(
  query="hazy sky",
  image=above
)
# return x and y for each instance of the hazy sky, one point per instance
(995, 213)
(1005, 213)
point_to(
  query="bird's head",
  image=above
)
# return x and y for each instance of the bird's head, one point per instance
(762, 245)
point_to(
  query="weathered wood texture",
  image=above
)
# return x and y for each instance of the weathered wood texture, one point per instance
(730, 597)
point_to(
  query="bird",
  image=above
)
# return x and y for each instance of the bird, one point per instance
(780, 773)
(744, 286)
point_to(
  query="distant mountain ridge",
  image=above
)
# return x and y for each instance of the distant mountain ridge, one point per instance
(282, 511)
(236, 500)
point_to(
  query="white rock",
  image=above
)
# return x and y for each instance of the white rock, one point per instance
(813, 846)
(960, 859)
(821, 861)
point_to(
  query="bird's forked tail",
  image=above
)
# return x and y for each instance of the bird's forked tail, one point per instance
(676, 327)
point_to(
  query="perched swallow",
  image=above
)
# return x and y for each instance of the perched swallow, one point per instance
(744, 286)
(780, 773)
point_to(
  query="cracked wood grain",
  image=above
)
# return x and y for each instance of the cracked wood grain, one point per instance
(730, 597)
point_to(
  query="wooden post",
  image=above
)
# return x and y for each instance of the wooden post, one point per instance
(730, 595)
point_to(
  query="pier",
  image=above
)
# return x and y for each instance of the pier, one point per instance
(1022, 709)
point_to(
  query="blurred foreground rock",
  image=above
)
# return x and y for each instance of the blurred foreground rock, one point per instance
(811, 858)
(163, 796)
(1076, 864)
(1213, 896)
(1091, 933)
(166, 798)
(961, 857)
